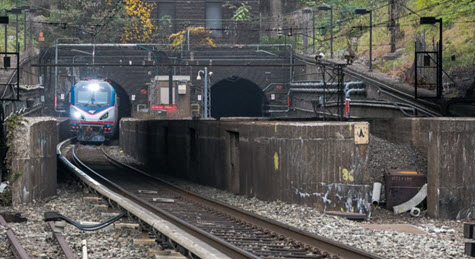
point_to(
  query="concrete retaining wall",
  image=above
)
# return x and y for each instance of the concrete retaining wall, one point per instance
(450, 147)
(34, 159)
(313, 163)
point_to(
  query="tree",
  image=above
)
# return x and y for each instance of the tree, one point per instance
(141, 28)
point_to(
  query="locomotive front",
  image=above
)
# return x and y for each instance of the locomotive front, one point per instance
(92, 110)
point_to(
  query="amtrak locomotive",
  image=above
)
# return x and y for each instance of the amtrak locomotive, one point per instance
(93, 111)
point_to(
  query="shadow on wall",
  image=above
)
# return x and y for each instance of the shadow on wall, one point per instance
(237, 97)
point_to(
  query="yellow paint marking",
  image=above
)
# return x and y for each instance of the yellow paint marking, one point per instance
(276, 161)
(351, 128)
(275, 127)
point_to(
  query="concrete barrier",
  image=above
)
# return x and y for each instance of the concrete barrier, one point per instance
(450, 147)
(33, 159)
(313, 163)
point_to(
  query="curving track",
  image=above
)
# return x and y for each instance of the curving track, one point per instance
(232, 231)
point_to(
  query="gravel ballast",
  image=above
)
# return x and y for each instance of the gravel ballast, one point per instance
(36, 237)
(442, 238)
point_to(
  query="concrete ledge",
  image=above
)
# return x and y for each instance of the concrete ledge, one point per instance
(313, 163)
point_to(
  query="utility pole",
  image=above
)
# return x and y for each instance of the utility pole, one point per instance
(24, 30)
(206, 94)
(392, 24)
(6, 32)
(170, 86)
(17, 49)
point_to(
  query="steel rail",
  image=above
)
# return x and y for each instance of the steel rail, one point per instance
(62, 242)
(387, 89)
(398, 94)
(171, 232)
(219, 244)
(17, 249)
(305, 237)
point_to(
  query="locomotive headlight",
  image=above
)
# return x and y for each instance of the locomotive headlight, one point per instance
(105, 116)
(93, 87)
(77, 115)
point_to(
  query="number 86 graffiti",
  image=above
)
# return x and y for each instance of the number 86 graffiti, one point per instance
(345, 175)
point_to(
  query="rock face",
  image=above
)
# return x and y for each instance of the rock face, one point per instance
(34, 159)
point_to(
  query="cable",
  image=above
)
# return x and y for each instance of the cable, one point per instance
(54, 216)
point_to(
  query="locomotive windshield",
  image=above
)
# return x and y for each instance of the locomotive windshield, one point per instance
(93, 94)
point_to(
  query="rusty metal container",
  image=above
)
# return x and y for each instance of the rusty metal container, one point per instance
(402, 185)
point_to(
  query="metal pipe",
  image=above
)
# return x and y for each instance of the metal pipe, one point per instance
(154, 56)
(313, 90)
(349, 92)
(350, 84)
(376, 193)
(236, 59)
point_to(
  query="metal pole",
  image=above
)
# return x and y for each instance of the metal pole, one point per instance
(415, 70)
(331, 31)
(6, 32)
(188, 38)
(55, 73)
(370, 40)
(18, 75)
(260, 26)
(29, 30)
(24, 30)
(17, 47)
(209, 97)
(313, 28)
(206, 94)
(170, 86)
(440, 85)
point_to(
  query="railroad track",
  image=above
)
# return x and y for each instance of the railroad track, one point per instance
(232, 231)
(427, 107)
(20, 253)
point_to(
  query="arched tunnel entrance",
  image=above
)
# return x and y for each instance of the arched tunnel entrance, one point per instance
(236, 97)
(125, 106)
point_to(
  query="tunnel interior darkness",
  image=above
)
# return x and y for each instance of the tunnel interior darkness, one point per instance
(125, 106)
(236, 97)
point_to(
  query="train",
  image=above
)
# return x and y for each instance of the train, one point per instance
(93, 110)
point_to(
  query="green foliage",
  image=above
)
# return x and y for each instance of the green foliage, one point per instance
(241, 13)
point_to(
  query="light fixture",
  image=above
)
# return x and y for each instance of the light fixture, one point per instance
(199, 75)
(93, 87)
(77, 115)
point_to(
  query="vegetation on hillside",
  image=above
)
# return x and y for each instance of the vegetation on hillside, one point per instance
(352, 31)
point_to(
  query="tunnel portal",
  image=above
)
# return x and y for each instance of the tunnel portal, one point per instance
(236, 97)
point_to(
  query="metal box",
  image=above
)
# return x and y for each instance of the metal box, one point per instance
(402, 185)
